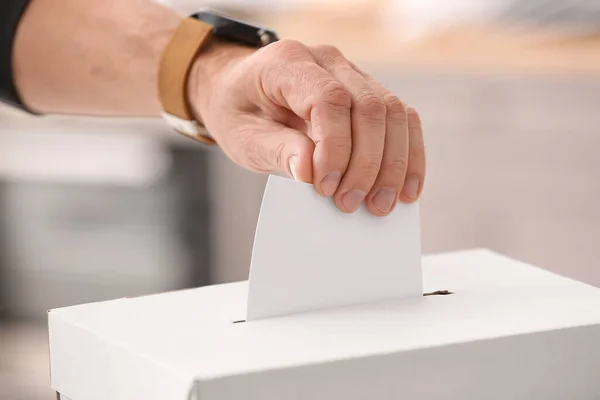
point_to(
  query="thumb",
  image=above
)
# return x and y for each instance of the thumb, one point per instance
(274, 147)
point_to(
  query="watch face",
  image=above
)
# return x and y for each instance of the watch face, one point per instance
(229, 29)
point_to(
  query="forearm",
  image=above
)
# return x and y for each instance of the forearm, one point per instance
(92, 57)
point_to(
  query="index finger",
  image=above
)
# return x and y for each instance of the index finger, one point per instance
(313, 94)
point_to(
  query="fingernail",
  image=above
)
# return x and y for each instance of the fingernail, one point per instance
(352, 199)
(411, 187)
(330, 183)
(385, 199)
(293, 166)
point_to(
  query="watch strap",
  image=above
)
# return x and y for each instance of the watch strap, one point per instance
(190, 37)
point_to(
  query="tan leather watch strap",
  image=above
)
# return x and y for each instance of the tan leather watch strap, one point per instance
(189, 39)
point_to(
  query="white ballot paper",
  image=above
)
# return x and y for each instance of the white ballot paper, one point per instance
(308, 255)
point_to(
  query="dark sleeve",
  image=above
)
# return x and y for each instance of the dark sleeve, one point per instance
(10, 15)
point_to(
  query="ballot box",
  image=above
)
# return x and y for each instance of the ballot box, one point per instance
(340, 307)
(486, 327)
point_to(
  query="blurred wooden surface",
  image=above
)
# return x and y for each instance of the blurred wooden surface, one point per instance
(364, 34)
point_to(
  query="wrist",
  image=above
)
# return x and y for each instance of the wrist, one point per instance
(198, 67)
(206, 73)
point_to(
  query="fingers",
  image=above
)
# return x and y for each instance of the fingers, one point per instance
(368, 124)
(316, 96)
(415, 175)
(385, 192)
(331, 132)
(367, 146)
(270, 147)
(406, 167)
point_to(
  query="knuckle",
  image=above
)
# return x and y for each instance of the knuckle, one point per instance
(328, 51)
(334, 93)
(355, 67)
(289, 48)
(371, 103)
(271, 73)
(338, 145)
(413, 115)
(417, 153)
(370, 167)
(306, 149)
(397, 166)
(394, 105)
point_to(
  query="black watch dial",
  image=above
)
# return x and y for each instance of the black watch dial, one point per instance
(236, 31)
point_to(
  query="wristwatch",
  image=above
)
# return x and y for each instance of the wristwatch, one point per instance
(193, 35)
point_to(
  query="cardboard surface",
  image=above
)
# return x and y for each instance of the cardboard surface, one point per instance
(509, 331)
(309, 255)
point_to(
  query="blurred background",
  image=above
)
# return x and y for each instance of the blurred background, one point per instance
(509, 95)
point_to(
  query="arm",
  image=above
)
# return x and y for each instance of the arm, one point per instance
(94, 57)
(288, 107)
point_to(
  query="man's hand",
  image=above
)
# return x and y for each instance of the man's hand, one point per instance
(287, 107)
(310, 112)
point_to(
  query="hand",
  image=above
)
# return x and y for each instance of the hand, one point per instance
(310, 112)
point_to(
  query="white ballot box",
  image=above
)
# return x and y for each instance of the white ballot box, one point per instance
(340, 307)
(507, 331)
